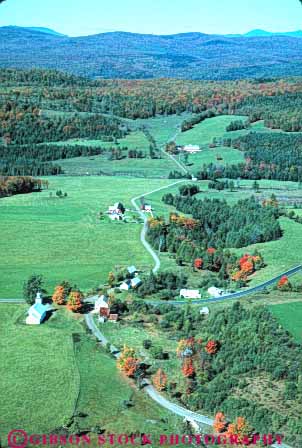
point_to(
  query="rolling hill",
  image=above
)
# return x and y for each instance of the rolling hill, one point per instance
(130, 55)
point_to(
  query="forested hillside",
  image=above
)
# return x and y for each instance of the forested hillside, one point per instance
(42, 106)
(130, 55)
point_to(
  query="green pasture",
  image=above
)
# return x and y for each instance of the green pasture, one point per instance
(135, 167)
(290, 317)
(39, 377)
(63, 238)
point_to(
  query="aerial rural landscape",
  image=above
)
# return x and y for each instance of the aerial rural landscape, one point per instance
(151, 238)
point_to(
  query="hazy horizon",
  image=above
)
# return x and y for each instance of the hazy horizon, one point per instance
(158, 17)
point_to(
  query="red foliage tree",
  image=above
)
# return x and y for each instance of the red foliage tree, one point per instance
(211, 250)
(198, 263)
(284, 283)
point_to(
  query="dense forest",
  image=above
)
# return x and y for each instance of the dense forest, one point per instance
(275, 156)
(52, 90)
(10, 186)
(27, 125)
(215, 223)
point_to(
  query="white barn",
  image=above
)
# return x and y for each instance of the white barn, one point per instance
(190, 294)
(101, 302)
(191, 148)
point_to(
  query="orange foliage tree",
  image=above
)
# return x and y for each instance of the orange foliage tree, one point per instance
(219, 424)
(75, 303)
(212, 347)
(240, 428)
(160, 380)
(59, 295)
(127, 361)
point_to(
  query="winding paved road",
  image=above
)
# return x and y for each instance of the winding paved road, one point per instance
(235, 295)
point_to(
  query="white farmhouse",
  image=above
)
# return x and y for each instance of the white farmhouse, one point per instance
(101, 303)
(190, 294)
(215, 292)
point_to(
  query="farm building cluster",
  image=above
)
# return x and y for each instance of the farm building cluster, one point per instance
(102, 308)
(133, 282)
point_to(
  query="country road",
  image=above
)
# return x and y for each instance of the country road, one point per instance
(235, 295)
(144, 229)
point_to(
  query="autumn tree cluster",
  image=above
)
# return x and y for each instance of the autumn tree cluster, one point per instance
(128, 362)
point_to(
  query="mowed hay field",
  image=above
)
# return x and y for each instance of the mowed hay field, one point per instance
(146, 167)
(290, 316)
(39, 377)
(62, 238)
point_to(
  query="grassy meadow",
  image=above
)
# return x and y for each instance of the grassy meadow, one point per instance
(63, 238)
(38, 371)
(290, 317)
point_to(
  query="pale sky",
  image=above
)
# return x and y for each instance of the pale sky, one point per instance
(83, 17)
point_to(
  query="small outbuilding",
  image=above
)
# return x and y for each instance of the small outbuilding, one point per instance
(190, 294)
(204, 311)
(135, 282)
(125, 286)
(132, 270)
(113, 318)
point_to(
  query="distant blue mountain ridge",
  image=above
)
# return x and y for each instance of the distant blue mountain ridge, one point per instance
(258, 54)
